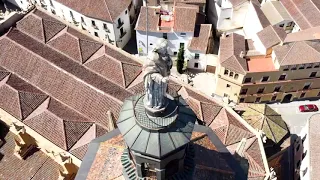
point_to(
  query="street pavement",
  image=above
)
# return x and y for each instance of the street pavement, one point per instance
(290, 113)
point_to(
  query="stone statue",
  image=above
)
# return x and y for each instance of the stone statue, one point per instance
(156, 71)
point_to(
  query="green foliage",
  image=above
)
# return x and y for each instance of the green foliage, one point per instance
(180, 60)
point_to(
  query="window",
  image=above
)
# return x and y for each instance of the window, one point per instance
(126, 12)
(286, 68)
(293, 67)
(309, 66)
(151, 44)
(302, 95)
(297, 148)
(71, 14)
(282, 77)
(225, 95)
(236, 76)
(316, 65)
(82, 20)
(196, 65)
(301, 66)
(243, 91)
(247, 80)
(105, 26)
(306, 86)
(165, 35)
(260, 90)
(298, 164)
(241, 100)
(231, 74)
(93, 23)
(226, 72)
(274, 98)
(265, 78)
(182, 45)
(228, 85)
(96, 34)
(277, 89)
(313, 74)
(183, 34)
(318, 93)
(196, 56)
(175, 53)
(257, 99)
(281, 25)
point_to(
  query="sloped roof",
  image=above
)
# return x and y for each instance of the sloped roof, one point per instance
(262, 117)
(308, 34)
(183, 24)
(301, 52)
(153, 19)
(230, 49)
(105, 10)
(36, 166)
(271, 36)
(201, 41)
(19, 98)
(304, 13)
(236, 3)
(261, 16)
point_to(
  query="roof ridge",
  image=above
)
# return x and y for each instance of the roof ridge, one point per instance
(294, 43)
(315, 6)
(272, 27)
(105, 2)
(305, 42)
(300, 13)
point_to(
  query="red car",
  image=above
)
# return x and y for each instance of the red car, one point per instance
(308, 108)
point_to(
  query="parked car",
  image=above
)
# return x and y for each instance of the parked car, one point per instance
(308, 108)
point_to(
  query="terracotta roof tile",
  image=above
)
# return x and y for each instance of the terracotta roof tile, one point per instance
(296, 14)
(88, 48)
(200, 42)
(108, 68)
(80, 152)
(74, 131)
(100, 131)
(120, 55)
(271, 36)
(138, 88)
(308, 34)
(153, 19)
(301, 52)
(173, 88)
(130, 72)
(209, 112)
(67, 44)
(51, 29)
(32, 25)
(10, 101)
(105, 10)
(49, 126)
(230, 49)
(262, 18)
(183, 24)
(31, 168)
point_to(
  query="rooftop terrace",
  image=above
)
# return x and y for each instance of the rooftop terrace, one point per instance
(260, 65)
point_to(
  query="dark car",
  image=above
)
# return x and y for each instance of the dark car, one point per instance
(308, 108)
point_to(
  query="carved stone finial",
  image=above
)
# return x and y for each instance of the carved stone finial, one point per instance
(156, 71)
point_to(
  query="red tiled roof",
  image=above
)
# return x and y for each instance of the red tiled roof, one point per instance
(230, 49)
(153, 19)
(105, 10)
(36, 166)
(271, 36)
(183, 24)
(201, 41)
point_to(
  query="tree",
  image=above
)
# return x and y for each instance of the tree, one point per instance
(180, 60)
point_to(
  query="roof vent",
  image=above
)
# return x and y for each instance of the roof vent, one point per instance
(241, 55)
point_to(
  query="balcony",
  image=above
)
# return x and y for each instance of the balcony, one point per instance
(120, 23)
(123, 34)
(107, 30)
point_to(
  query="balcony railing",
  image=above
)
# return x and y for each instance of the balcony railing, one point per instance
(120, 24)
(123, 34)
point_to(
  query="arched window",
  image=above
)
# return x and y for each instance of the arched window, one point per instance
(226, 72)
(236, 76)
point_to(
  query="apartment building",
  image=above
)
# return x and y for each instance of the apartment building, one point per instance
(286, 71)
(181, 32)
(111, 22)
(306, 150)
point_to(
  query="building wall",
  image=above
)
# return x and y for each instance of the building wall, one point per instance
(258, 45)
(251, 23)
(191, 61)
(111, 34)
(174, 40)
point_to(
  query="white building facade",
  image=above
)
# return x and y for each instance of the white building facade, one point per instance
(116, 31)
